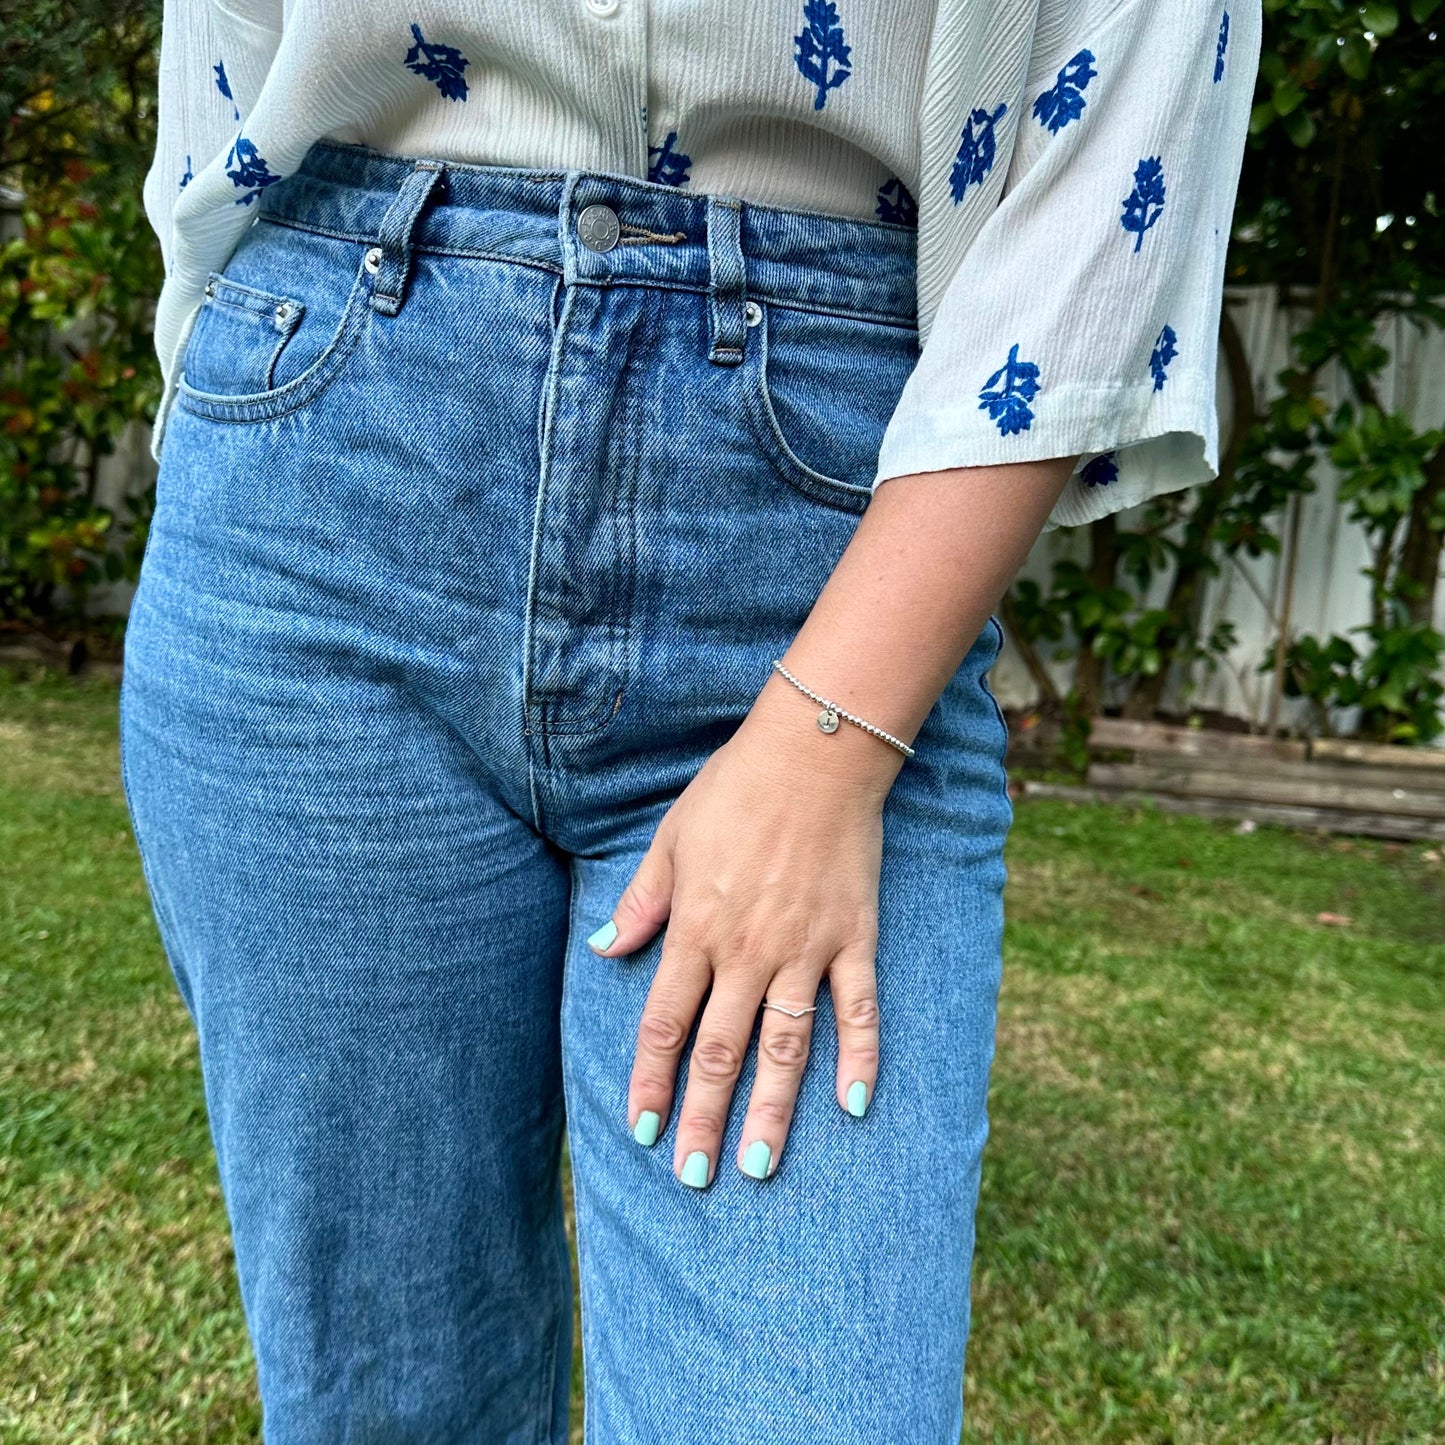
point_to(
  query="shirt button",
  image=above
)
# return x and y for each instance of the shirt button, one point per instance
(598, 227)
(603, 7)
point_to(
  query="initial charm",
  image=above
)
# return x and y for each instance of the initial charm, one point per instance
(828, 720)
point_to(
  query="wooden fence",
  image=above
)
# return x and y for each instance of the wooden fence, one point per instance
(1334, 784)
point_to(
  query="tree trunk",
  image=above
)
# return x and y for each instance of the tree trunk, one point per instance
(1088, 666)
(1030, 655)
(1420, 553)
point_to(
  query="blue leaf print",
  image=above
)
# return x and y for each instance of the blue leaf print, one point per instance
(896, 203)
(188, 177)
(1164, 352)
(443, 65)
(251, 170)
(1145, 203)
(224, 86)
(1222, 47)
(671, 166)
(1101, 471)
(821, 41)
(1008, 404)
(976, 152)
(1055, 108)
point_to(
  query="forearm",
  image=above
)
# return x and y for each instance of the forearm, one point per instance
(926, 566)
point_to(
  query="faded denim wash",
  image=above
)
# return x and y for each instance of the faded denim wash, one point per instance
(472, 543)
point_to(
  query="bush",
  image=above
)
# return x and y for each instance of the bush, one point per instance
(79, 273)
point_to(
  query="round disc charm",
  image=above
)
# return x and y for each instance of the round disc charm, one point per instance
(828, 720)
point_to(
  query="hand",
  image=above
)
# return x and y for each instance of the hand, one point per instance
(767, 867)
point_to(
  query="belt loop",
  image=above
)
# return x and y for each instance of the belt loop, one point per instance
(727, 281)
(397, 226)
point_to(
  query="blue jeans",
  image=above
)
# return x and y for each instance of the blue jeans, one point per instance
(488, 499)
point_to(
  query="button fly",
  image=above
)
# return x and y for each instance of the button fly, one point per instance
(598, 227)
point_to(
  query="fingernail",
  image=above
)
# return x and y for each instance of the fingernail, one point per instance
(694, 1170)
(648, 1124)
(756, 1159)
(605, 936)
(858, 1098)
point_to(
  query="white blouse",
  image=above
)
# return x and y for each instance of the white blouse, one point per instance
(1070, 165)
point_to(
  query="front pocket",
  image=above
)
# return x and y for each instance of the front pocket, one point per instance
(240, 332)
(276, 325)
(821, 389)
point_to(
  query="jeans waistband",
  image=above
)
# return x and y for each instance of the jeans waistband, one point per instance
(648, 234)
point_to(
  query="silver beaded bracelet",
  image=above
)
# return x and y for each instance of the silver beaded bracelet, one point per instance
(828, 718)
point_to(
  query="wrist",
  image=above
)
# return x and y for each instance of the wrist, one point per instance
(850, 760)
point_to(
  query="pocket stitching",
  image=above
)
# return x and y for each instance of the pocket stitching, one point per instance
(785, 461)
(241, 297)
(983, 681)
(280, 401)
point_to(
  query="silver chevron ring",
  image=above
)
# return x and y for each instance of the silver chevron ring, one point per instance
(792, 1013)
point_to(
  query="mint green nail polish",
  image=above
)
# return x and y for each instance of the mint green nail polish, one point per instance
(858, 1099)
(648, 1124)
(694, 1170)
(604, 937)
(756, 1159)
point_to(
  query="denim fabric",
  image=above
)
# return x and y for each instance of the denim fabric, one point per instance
(471, 544)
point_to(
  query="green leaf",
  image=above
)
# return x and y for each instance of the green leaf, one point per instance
(1298, 416)
(1355, 57)
(1300, 127)
(1272, 67)
(1261, 118)
(1382, 19)
(1422, 10)
(1287, 96)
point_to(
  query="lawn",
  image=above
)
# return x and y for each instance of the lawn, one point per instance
(1214, 1196)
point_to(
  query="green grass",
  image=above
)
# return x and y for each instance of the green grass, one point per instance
(1214, 1198)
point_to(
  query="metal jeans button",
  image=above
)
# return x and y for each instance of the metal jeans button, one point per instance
(598, 227)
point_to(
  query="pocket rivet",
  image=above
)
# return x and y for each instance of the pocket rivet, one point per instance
(210, 288)
(752, 313)
(373, 260)
(283, 311)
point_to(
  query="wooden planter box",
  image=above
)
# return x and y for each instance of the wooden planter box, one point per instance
(1334, 784)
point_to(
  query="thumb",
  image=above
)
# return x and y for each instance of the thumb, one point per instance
(645, 902)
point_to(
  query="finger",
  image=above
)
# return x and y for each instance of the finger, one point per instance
(783, 1043)
(678, 989)
(712, 1075)
(645, 902)
(853, 981)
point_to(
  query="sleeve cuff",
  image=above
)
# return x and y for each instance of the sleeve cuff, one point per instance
(1134, 443)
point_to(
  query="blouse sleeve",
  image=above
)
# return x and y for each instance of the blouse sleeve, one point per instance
(201, 97)
(1081, 313)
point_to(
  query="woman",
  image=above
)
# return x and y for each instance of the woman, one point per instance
(529, 370)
